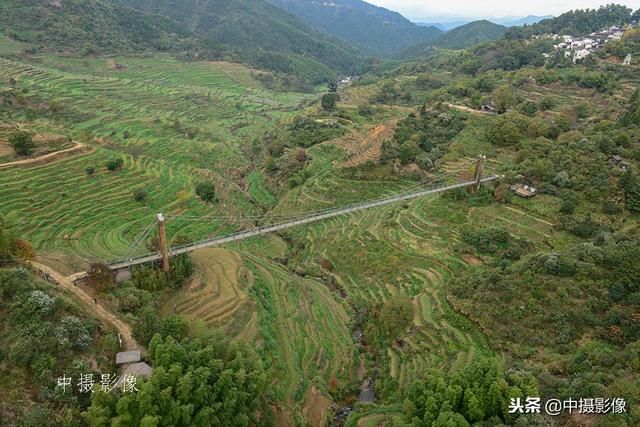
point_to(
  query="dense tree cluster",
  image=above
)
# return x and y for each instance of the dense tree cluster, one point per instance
(481, 391)
(423, 138)
(212, 383)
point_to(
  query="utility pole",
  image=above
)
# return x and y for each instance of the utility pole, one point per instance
(478, 172)
(164, 249)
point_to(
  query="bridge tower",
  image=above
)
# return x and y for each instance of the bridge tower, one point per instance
(478, 172)
(164, 247)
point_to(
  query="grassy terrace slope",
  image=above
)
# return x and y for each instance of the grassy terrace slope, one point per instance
(172, 123)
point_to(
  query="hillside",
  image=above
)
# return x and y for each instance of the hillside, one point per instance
(578, 22)
(255, 33)
(471, 34)
(88, 26)
(373, 28)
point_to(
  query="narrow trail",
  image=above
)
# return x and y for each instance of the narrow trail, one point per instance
(87, 300)
(79, 146)
(468, 109)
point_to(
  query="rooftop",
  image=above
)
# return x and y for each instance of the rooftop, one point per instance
(128, 357)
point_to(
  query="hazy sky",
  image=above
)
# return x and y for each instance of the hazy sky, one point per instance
(417, 10)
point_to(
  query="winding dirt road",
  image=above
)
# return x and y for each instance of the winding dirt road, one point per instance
(87, 300)
(79, 146)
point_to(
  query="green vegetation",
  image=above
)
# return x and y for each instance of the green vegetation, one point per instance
(253, 32)
(471, 34)
(46, 336)
(444, 307)
(193, 381)
(22, 143)
(374, 29)
(577, 22)
(479, 392)
(206, 191)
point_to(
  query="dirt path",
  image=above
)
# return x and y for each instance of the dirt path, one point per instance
(51, 156)
(86, 300)
(468, 109)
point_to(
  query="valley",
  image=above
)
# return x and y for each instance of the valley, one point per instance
(437, 310)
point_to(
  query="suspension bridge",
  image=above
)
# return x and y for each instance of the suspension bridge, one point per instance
(166, 252)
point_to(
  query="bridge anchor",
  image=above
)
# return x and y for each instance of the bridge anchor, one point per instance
(164, 247)
(478, 172)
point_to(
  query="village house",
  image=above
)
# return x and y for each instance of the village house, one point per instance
(523, 190)
(578, 48)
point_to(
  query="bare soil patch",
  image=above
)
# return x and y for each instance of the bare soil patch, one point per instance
(316, 407)
(361, 149)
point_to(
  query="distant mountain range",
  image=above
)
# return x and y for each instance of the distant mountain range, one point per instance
(374, 29)
(447, 24)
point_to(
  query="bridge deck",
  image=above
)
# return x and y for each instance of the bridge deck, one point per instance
(305, 220)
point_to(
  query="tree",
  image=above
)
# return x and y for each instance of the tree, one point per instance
(206, 191)
(408, 152)
(115, 164)
(333, 87)
(504, 99)
(329, 101)
(504, 132)
(395, 317)
(90, 170)
(22, 143)
(194, 383)
(139, 195)
(174, 326)
(631, 187)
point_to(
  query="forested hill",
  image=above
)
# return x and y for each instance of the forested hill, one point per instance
(253, 32)
(87, 25)
(252, 28)
(378, 30)
(471, 34)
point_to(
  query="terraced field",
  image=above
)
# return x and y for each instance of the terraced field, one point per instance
(172, 123)
(305, 330)
(367, 148)
(408, 253)
(218, 290)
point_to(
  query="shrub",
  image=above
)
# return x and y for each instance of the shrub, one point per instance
(329, 101)
(22, 143)
(115, 164)
(90, 170)
(206, 191)
(139, 195)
